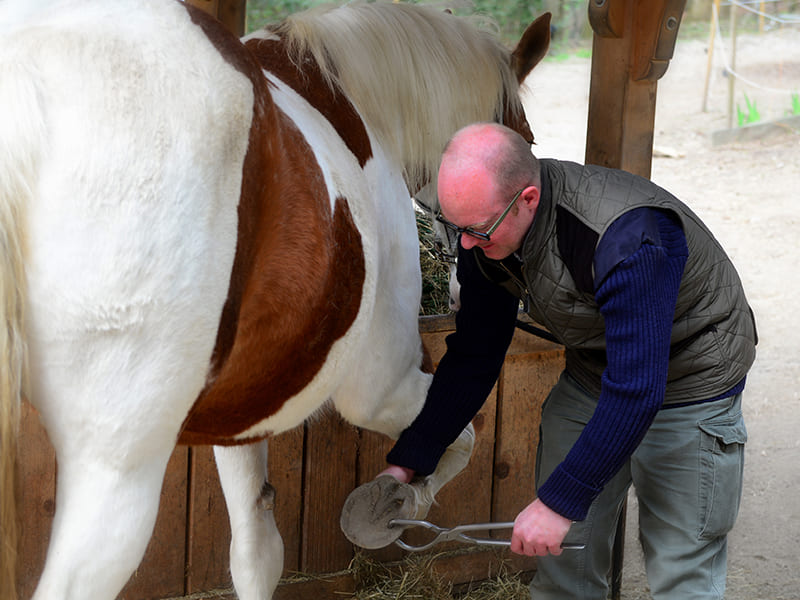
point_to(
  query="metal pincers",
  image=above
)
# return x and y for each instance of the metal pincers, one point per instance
(459, 533)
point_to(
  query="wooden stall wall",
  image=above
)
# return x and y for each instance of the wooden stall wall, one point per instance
(313, 469)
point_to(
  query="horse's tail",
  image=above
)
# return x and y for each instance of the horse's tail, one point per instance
(21, 136)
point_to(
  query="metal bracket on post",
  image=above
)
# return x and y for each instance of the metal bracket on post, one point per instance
(607, 18)
(654, 29)
(633, 44)
(655, 33)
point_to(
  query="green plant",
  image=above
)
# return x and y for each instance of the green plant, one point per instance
(750, 116)
(795, 104)
(261, 12)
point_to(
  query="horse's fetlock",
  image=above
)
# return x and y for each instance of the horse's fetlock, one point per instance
(266, 499)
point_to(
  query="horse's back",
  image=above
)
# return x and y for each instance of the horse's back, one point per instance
(132, 224)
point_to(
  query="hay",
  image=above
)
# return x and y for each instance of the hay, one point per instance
(435, 271)
(416, 577)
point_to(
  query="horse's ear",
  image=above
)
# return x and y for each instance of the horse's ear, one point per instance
(532, 47)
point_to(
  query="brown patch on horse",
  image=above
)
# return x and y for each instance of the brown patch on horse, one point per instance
(297, 276)
(230, 48)
(302, 295)
(303, 75)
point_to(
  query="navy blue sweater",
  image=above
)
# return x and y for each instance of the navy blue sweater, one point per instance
(637, 299)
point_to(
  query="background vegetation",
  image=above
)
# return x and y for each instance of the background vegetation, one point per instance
(512, 16)
(570, 26)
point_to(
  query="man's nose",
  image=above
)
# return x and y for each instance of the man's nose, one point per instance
(468, 241)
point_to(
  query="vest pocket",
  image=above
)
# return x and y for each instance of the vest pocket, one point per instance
(721, 468)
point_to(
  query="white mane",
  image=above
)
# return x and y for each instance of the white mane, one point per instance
(446, 72)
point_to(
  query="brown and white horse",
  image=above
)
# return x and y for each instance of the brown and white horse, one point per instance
(204, 240)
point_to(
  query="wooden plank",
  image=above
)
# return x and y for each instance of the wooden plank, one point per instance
(330, 475)
(621, 110)
(526, 381)
(161, 572)
(372, 451)
(231, 13)
(757, 131)
(209, 536)
(461, 569)
(468, 497)
(285, 474)
(36, 498)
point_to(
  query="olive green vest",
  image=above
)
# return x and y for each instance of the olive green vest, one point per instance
(713, 332)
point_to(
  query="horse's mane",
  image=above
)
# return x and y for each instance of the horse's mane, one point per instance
(416, 73)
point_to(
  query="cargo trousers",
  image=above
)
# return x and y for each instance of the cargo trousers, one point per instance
(687, 475)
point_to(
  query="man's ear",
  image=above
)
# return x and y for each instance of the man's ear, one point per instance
(530, 196)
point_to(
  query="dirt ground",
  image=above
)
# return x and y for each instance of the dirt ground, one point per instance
(747, 192)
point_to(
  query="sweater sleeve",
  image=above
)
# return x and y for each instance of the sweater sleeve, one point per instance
(465, 375)
(637, 300)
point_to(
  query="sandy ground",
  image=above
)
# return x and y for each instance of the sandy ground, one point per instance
(747, 192)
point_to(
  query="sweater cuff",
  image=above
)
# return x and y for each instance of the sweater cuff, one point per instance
(416, 452)
(566, 495)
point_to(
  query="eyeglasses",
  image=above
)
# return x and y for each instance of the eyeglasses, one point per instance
(481, 235)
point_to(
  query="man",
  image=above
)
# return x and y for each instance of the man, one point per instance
(659, 338)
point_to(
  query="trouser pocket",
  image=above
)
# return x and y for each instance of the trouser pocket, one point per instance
(722, 441)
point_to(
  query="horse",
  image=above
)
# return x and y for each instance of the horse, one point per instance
(204, 241)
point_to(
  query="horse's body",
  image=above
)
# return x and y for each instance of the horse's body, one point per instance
(203, 242)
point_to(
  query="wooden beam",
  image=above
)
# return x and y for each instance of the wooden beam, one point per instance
(230, 13)
(633, 44)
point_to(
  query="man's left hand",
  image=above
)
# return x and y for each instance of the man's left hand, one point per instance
(538, 530)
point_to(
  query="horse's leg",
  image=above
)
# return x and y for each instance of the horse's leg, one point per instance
(105, 513)
(454, 460)
(368, 510)
(256, 545)
(391, 405)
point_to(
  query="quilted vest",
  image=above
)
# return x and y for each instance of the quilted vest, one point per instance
(713, 332)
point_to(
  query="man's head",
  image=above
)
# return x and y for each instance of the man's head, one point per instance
(486, 169)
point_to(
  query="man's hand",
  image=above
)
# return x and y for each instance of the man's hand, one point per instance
(538, 530)
(402, 474)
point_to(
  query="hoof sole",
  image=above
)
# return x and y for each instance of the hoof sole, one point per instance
(370, 507)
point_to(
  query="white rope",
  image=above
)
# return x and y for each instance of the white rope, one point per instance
(786, 19)
(733, 73)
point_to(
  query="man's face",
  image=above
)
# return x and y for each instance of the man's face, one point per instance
(497, 228)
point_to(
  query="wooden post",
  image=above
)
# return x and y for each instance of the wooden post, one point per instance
(633, 44)
(711, 35)
(230, 13)
(731, 77)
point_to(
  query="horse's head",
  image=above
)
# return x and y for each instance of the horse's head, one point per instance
(529, 51)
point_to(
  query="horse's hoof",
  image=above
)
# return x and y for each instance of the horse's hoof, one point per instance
(370, 507)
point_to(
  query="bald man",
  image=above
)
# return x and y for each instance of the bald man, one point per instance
(658, 337)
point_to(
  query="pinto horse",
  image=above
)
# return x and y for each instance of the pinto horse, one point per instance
(205, 239)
